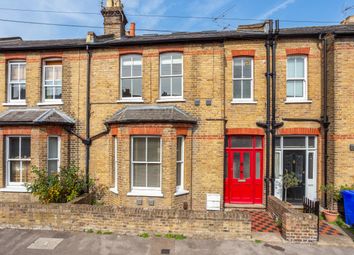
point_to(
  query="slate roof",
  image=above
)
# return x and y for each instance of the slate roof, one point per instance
(18, 44)
(151, 114)
(35, 116)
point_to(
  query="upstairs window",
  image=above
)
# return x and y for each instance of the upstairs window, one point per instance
(243, 79)
(17, 82)
(52, 80)
(131, 77)
(296, 78)
(171, 76)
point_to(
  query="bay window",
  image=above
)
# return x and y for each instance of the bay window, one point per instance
(131, 77)
(16, 82)
(296, 81)
(114, 188)
(53, 159)
(171, 76)
(180, 165)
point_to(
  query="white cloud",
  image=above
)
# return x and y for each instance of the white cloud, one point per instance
(275, 9)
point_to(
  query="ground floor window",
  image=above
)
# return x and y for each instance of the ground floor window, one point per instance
(146, 163)
(180, 164)
(18, 160)
(296, 154)
(53, 160)
(115, 165)
(244, 169)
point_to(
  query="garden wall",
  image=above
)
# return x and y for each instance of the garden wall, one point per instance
(296, 226)
(131, 221)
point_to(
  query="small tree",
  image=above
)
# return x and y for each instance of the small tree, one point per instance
(333, 194)
(289, 181)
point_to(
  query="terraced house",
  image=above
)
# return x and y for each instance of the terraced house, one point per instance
(181, 120)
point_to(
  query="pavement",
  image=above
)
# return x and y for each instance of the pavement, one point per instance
(37, 242)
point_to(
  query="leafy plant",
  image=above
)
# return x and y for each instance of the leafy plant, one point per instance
(57, 188)
(144, 235)
(289, 181)
(333, 194)
(175, 236)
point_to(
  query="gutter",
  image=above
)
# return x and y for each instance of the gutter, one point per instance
(88, 140)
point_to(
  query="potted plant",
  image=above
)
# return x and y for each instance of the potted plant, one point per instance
(332, 195)
(289, 181)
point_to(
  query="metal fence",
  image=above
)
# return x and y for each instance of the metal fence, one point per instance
(313, 207)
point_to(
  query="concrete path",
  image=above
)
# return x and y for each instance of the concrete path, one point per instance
(16, 242)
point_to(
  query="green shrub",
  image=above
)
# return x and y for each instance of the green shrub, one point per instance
(57, 188)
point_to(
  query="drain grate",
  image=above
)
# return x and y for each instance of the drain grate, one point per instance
(43, 243)
(165, 251)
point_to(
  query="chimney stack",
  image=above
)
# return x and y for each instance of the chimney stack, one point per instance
(114, 18)
(348, 20)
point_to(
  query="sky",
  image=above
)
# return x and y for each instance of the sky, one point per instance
(306, 12)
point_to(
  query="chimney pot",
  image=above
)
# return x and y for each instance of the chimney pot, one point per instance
(90, 37)
(132, 29)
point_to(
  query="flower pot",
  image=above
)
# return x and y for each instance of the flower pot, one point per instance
(331, 216)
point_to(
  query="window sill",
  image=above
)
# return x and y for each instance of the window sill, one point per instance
(181, 193)
(298, 102)
(130, 101)
(168, 100)
(51, 103)
(145, 193)
(18, 189)
(243, 102)
(15, 104)
(113, 190)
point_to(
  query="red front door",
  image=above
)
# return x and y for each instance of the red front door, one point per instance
(244, 170)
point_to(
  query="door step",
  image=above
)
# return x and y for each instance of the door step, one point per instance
(245, 206)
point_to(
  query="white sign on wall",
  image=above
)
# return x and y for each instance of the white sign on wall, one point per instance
(213, 202)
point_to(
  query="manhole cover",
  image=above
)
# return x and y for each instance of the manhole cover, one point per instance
(165, 251)
(43, 243)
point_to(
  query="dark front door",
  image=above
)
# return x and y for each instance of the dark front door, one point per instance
(295, 161)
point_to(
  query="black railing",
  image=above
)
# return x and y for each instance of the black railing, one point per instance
(313, 207)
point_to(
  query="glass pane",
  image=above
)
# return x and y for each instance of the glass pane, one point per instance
(166, 59)
(179, 148)
(126, 88)
(57, 72)
(137, 66)
(53, 147)
(310, 173)
(237, 89)
(311, 142)
(57, 93)
(166, 69)
(15, 93)
(277, 141)
(176, 58)
(246, 93)
(14, 72)
(48, 92)
(241, 141)
(247, 68)
(22, 72)
(52, 166)
(14, 147)
(300, 67)
(23, 91)
(236, 165)
(26, 147)
(139, 175)
(246, 165)
(165, 87)
(290, 89)
(178, 174)
(26, 167)
(277, 164)
(15, 171)
(48, 73)
(126, 67)
(299, 88)
(139, 146)
(153, 150)
(291, 68)
(153, 175)
(177, 86)
(258, 165)
(237, 68)
(294, 142)
(258, 142)
(177, 69)
(137, 88)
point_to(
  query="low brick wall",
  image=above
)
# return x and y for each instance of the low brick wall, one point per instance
(131, 221)
(296, 226)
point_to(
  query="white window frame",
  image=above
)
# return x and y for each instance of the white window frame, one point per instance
(131, 77)
(114, 189)
(19, 82)
(243, 100)
(8, 161)
(180, 188)
(51, 101)
(59, 152)
(304, 97)
(145, 191)
(172, 98)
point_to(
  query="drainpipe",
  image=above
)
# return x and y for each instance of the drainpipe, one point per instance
(88, 141)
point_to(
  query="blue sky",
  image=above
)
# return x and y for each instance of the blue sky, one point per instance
(303, 10)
